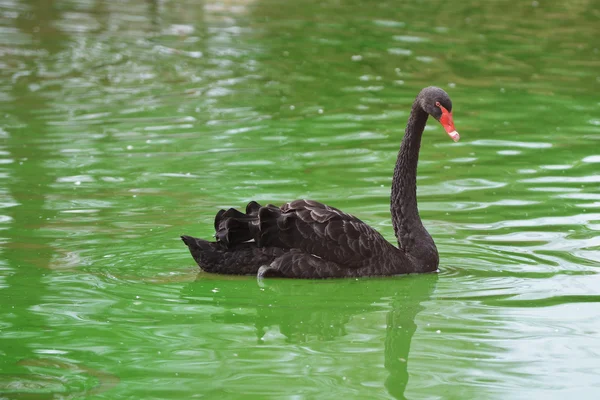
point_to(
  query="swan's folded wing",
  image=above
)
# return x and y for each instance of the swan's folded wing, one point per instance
(323, 231)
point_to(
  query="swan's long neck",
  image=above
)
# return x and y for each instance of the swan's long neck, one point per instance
(412, 236)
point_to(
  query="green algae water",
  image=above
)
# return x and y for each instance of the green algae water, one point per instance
(126, 124)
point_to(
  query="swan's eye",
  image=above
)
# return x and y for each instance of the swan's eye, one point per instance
(437, 103)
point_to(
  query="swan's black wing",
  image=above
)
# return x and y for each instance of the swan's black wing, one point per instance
(306, 225)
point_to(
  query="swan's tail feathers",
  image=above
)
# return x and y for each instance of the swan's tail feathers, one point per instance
(204, 252)
(210, 256)
(241, 259)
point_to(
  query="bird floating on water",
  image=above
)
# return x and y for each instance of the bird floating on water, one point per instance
(308, 239)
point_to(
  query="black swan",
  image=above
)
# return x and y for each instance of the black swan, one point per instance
(307, 239)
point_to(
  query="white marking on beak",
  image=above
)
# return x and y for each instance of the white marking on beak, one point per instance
(454, 136)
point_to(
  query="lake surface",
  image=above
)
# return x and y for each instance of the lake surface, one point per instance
(126, 124)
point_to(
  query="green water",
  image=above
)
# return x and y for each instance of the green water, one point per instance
(126, 124)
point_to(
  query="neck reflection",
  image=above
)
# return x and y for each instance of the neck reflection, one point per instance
(344, 316)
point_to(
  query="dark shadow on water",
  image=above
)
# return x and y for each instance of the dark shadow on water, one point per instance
(313, 311)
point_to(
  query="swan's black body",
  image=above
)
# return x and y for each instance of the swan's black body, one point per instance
(307, 239)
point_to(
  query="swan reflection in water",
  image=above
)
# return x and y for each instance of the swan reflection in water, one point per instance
(309, 314)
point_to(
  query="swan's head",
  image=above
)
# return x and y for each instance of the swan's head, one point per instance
(437, 103)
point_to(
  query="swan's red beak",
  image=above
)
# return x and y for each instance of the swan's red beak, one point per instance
(448, 124)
